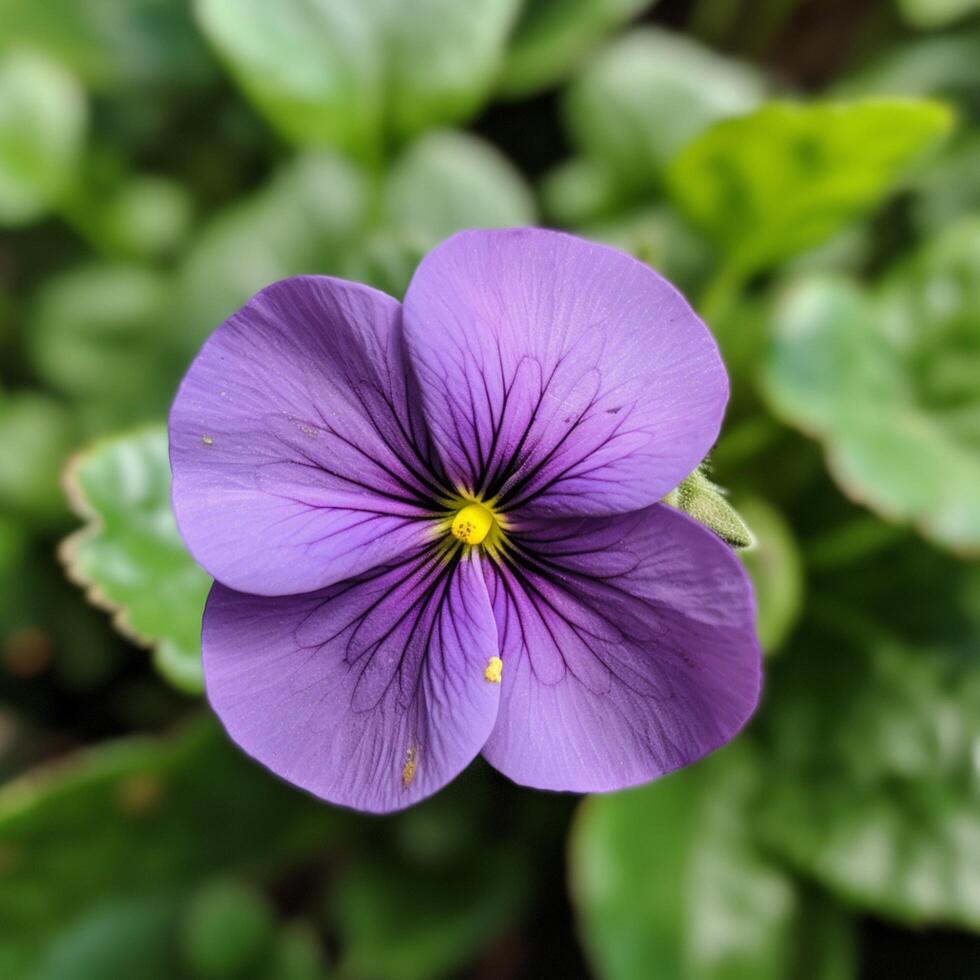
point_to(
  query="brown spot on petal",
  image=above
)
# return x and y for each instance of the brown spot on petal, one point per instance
(411, 765)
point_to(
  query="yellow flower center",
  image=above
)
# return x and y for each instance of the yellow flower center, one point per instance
(472, 523)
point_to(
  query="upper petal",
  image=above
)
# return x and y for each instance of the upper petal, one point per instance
(628, 647)
(559, 373)
(370, 693)
(298, 452)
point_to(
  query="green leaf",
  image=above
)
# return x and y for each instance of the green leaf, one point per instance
(36, 435)
(98, 335)
(701, 499)
(871, 769)
(776, 568)
(552, 37)
(887, 380)
(360, 74)
(928, 14)
(130, 558)
(298, 223)
(669, 883)
(645, 96)
(226, 926)
(941, 66)
(771, 184)
(112, 44)
(137, 818)
(402, 923)
(442, 183)
(42, 126)
(447, 181)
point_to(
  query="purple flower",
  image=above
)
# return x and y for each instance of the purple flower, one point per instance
(436, 529)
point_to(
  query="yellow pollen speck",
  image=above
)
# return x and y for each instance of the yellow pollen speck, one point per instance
(495, 667)
(207, 440)
(411, 764)
(472, 523)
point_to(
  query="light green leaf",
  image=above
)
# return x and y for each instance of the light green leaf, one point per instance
(447, 181)
(36, 435)
(940, 66)
(645, 96)
(299, 223)
(928, 14)
(442, 183)
(552, 36)
(777, 572)
(669, 883)
(42, 126)
(130, 558)
(871, 770)
(887, 380)
(132, 818)
(360, 74)
(785, 178)
(98, 335)
(112, 44)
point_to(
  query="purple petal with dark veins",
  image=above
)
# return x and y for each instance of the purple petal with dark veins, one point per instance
(299, 455)
(371, 693)
(560, 374)
(628, 647)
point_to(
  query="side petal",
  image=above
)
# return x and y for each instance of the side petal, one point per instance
(371, 693)
(560, 374)
(628, 647)
(299, 456)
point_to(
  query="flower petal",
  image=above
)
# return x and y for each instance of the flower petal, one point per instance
(628, 647)
(298, 454)
(371, 693)
(560, 373)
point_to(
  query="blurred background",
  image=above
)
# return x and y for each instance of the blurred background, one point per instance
(807, 172)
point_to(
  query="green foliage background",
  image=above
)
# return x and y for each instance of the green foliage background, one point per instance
(808, 173)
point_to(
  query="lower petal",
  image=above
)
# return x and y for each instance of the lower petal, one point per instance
(628, 647)
(370, 693)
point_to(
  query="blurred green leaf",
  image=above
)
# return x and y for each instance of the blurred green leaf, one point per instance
(404, 923)
(658, 236)
(950, 187)
(147, 217)
(552, 36)
(872, 783)
(299, 222)
(777, 572)
(98, 335)
(940, 66)
(785, 178)
(928, 14)
(360, 74)
(133, 818)
(447, 181)
(669, 883)
(36, 435)
(111, 43)
(130, 558)
(225, 926)
(123, 937)
(645, 96)
(42, 126)
(442, 183)
(888, 381)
